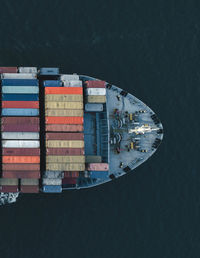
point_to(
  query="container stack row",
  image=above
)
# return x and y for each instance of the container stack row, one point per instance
(98, 170)
(64, 133)
(20, 127)
(95, 92)
(71, 80)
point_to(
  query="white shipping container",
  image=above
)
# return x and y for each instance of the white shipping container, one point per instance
(72, 83)
(20, 135)
(96, 91)
(69, 77)
(53, 174)
(20, 89)
(52, 181)
(20, 144)
(27, 69)
(18, 75)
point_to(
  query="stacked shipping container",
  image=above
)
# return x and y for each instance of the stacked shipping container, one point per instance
(95, 91)
(64, 132)
(20, 130)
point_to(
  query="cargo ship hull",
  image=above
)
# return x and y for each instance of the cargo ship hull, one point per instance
(68, 131)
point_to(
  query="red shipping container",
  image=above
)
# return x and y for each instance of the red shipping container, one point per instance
(20, 104)
(9, 188)
(64, 128)
(23, 167)
(21, 174)
(71, 174)
(69, 181)
(64, 90)
(8, 69)
(21, 151)
(95, 84)
(64, 136)
(29, 188)
(98, 167)
(65, 151)
(20, 128)
(64, 120)
(20, 120)
(21, 159)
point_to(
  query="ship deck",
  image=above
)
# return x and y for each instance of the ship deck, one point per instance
(118, 152)
(130, 157)
(118, 136)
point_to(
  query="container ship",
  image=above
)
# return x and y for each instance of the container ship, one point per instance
(68, 131)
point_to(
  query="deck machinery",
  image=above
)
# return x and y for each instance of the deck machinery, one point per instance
(68, 131)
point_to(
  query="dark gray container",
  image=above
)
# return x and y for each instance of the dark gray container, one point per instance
(93, 107)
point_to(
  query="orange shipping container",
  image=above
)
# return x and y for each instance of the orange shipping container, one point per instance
(20, 104)
(21, 159)
(63, 90)
(64, 120)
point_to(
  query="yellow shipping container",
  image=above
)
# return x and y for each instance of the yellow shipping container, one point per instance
(93, 159)
(65, 159)
(65, 167)
(64, 144)
(8, 181)
(64, 105)
(61, 112)
(96, 99)
(64, 97)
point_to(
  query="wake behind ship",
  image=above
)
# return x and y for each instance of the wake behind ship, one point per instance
(68, 131)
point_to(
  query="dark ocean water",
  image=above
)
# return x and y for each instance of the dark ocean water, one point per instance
(152, 50)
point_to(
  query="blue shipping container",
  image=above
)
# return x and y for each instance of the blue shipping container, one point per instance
(52, 83)
(20, 82)
(20, 97)
(49, 71)
(52, 188)
(99, 174)
(20, 112)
